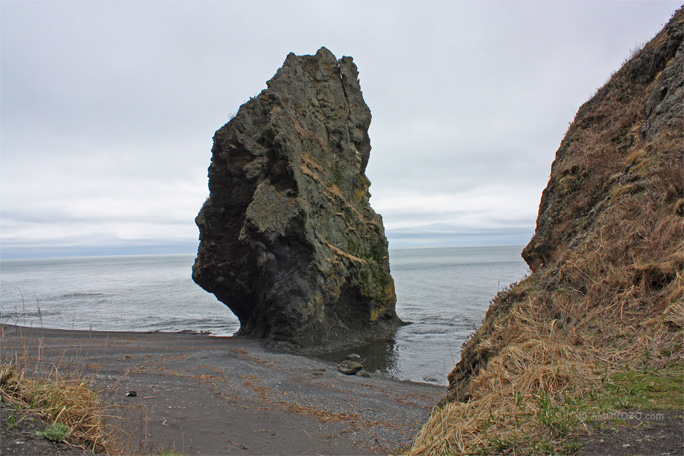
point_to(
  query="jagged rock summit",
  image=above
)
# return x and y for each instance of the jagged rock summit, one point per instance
(288, 239)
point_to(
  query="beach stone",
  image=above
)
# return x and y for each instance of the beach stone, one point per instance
(349, 367)
(288, 239)
(353, 356)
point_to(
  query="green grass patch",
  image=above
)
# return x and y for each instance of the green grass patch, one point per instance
(57, 432)
(656, 389)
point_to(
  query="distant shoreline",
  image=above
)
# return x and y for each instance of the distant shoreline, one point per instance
(75, 255)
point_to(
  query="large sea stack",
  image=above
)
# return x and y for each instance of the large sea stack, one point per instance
(288, 239)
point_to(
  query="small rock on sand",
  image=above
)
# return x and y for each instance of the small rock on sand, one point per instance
(349, 367)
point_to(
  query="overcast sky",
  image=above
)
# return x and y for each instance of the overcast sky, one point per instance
(108, 109)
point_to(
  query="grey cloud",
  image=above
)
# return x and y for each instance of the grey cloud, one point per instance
(115, 103)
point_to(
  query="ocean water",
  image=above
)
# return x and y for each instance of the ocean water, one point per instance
(443, 292)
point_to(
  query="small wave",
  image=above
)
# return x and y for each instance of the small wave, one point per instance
(81, 295)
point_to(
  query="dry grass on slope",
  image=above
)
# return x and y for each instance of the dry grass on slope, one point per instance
(555, 338)
(66, 402)
(612, 303)
(607, 289)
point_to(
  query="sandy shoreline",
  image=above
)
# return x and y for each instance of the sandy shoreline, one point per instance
(210, 395)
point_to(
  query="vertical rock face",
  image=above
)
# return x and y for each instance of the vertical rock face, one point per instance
(288, 239)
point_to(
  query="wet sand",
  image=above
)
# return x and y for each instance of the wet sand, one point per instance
(198, 394)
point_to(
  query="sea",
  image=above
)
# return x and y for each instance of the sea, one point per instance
(443, 293)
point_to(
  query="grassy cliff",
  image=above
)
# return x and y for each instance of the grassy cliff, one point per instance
(604, 299)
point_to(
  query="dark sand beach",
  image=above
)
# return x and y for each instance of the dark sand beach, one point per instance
(198, 394)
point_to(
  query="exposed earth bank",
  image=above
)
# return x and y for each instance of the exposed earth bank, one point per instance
(606, 293)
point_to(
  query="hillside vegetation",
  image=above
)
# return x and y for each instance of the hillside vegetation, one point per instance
(604, 299)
